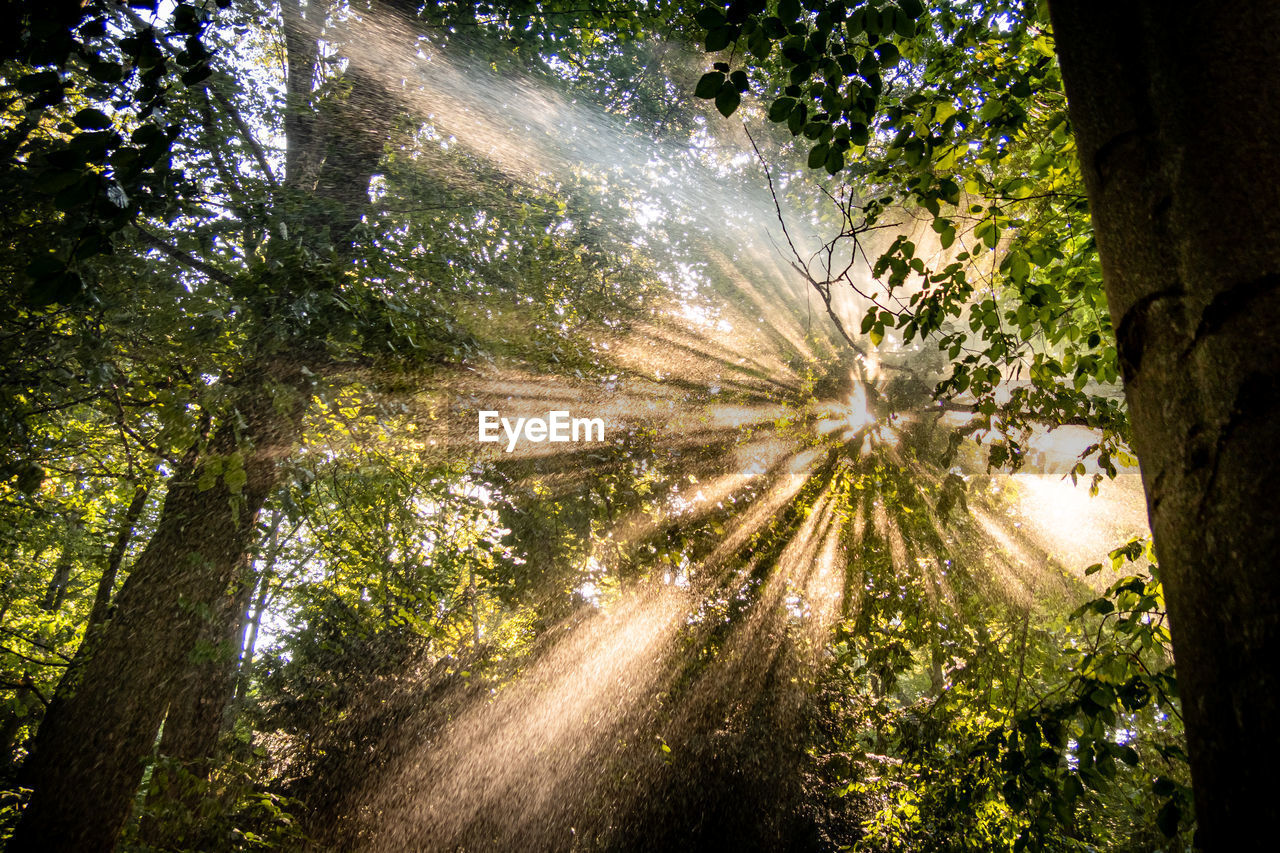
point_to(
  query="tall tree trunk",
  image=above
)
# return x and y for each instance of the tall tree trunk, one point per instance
(107, 583)
(1177, 117)
(55, 591)
(195, 722)
(89, 753)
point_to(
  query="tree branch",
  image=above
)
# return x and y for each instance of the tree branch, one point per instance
(184, 258)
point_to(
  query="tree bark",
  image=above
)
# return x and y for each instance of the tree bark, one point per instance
(194, 724)
(107, 583)
(1176, 109)
(89, 752)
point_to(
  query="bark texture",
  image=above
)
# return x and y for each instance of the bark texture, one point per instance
(107, 583)
(89, 753)
(100, 731)
(189, 746)
(1176, 109)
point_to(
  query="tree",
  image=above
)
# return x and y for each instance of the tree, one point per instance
(1190, 259)
(279, 266)
(762, 611)
(121, 689)
(947, 107)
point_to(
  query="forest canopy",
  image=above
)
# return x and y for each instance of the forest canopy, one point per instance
(862, 562)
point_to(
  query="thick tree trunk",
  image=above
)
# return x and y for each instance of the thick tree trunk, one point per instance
(89, 753)
(1177, 118)
(189, 743)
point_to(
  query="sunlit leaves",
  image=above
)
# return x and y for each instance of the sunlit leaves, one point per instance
(974, 135)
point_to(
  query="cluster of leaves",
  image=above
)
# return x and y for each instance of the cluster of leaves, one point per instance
(1044, 736)
(86, 129)
(955, 114)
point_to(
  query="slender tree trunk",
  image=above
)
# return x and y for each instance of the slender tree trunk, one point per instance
(56, 590)
(1176, 110)
(258, 601)
(89, 755)
(107, 583)
(251, 636)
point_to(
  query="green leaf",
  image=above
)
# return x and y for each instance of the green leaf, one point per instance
(718, 39)
(710, 84)
(795, 122)
(818, 155)
(780, 109)
(759, 44)
(91, 119)
(727, 101)
(903, 24)
(710, 18)
(912, 8)
(835, 161)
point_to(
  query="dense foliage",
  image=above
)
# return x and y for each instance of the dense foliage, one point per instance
(264, 262)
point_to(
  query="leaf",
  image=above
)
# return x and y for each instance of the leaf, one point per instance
(710, 17)
(718, 39)
(888, 55)
(91, 119)
(780, 109)
(835, 161)
(903, 24)
(727, 101)
(795, 122)
(877, 335)
(912, 8)
(818, 155)
(710, 84)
